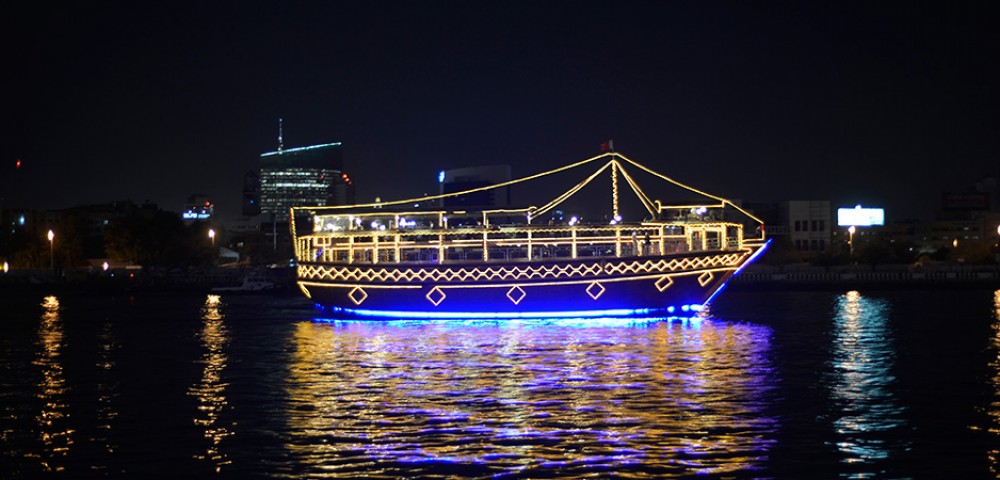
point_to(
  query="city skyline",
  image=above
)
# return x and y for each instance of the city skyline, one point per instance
(887, 105)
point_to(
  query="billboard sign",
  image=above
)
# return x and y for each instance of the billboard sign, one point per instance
(860, 217)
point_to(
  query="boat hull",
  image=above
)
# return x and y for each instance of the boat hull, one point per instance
(597, 287)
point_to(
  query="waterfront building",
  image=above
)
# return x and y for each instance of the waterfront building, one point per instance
(305, 176)
(250, 205)
(964, 218)
(801, 227)
(198, 207)
(343, 190)
(809, 224)
(80, 231)
(952, 228)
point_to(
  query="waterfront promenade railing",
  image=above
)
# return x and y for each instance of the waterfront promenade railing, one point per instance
(860, 275)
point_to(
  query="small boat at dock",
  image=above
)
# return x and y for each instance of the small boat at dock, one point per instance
(251, 284)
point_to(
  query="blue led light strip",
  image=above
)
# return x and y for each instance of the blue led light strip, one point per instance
(562, 322)
(620, 312)
(715, 293)
(752, 257)
(737, 272)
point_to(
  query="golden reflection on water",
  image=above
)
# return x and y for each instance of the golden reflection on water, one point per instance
(863, 358)
(994, 409)
(54, 429)
(513, 398)
(211, 390)
(107, 392)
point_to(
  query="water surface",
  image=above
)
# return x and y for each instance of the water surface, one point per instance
(765, 385)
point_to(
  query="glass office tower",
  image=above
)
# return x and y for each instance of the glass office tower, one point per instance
(303, 176)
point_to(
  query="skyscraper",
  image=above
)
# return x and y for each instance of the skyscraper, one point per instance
(343, 191)
(305, 176)
(251, 193)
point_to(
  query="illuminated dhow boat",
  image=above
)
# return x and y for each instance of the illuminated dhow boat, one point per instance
(397, 260)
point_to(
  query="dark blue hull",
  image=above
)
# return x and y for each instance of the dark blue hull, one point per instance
(611, 287)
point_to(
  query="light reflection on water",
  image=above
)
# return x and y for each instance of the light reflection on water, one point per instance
(872, 386)
(994, 407)
(210, 391)
(862, 384)
(528, 399)
(53, 422)
(107, 387)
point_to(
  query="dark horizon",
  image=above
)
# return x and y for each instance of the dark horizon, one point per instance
(887, 105)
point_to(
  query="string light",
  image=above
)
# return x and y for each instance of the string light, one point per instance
(416, 238)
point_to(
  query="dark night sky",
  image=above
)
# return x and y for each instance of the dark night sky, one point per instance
(879, 103)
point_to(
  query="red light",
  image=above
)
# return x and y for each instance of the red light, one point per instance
(18, 164)
(207, 204)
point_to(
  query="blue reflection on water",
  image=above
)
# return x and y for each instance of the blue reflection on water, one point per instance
(488, 315)
(596, 322)
(862, 383)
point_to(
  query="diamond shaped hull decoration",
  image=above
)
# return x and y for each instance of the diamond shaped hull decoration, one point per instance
(436, 296)
(357, 295)
(516, 294)
(595, 290)
(704, 278)
(664, 283)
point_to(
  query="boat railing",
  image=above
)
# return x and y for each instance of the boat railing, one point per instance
(516, 243)
(401, 231)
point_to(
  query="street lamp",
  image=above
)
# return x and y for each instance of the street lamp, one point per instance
(52, 263)
(998, 245)
(211, 234)
(850, 241)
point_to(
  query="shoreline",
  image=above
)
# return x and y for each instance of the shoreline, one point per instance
(129, 282)
(755, 277)
(800, 277)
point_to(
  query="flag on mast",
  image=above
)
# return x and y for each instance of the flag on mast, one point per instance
(608, 146)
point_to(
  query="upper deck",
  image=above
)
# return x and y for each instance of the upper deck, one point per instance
(445, 237)
(388, 233)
